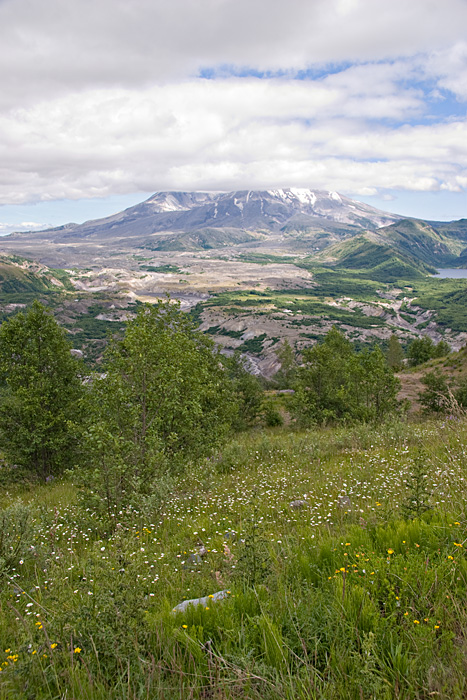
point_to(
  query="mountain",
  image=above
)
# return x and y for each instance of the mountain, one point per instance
(249, 211)
(327, 226)
(408, 248)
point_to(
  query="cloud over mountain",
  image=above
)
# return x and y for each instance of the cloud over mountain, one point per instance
(107, 97)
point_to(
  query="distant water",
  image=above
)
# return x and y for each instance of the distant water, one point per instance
(451, 273)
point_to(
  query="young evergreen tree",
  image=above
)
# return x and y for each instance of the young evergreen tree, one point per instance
(41, 389)
(285, 377)
(395, 353)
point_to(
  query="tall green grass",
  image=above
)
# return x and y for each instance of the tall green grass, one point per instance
(343, 596)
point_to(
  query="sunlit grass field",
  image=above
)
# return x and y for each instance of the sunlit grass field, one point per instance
(340, 554)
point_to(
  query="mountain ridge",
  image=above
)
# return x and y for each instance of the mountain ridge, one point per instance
(267, 210)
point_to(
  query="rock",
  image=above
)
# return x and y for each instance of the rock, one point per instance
(213, 598)
(76, 353)
(345, 502)
(298, 505)
(193, 560)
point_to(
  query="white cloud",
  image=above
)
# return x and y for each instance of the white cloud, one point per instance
(21, 226)
(449, 68)
(225, 134)
(101, 96)
(46, 46)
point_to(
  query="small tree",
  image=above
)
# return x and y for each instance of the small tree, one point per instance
(285, 377)
(417, 496)
(247, 391)
(325, 387)
(435, 398)
(395, 353)
(336, 383)
(379, 386)
(165, 398)
(423, 349)
(40, 410)
(461, 393)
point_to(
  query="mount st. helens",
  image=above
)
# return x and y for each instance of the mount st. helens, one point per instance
(262, 265)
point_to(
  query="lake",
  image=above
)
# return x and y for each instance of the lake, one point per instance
(452, 273)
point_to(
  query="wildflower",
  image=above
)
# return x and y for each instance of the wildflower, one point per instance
(456, 544)
(185, 627)
(436, 627)
(77, 650)
(390, 551)
(416, 622)
(449, 557)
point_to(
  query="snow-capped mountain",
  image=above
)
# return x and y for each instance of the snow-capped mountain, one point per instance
(245, 210)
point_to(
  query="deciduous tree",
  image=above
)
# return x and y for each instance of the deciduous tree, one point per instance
(165, 398)
(41, 391)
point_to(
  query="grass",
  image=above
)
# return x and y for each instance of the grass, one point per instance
(343, 597)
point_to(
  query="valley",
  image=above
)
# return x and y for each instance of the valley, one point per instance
(253, 269)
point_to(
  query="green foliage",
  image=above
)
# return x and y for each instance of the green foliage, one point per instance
(337, 383)
(201, 239)
(253, 557)
(418, 494)
(395, 353)
(460, 394)
(423, 349)
(321, 602)
(435, 398)
(164, 399)
(163, 268)
(15, 533)
(41, 391)
(253, 345)
(448, 298)
(272, 415)
(285, 377)
(247, 393)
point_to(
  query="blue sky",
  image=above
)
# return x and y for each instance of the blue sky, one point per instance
(103, 102)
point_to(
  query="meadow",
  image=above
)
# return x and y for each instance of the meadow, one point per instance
(340, 554)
